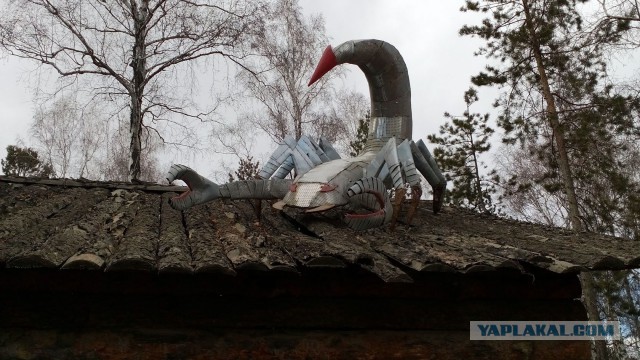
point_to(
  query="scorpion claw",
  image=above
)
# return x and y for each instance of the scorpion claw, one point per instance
(200, 189)
(180, 202)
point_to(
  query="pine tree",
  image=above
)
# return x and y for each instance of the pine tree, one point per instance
(247, 169)
(357, 145)
(552, 103)
(529, 39)
(461, 142)
(25, 162)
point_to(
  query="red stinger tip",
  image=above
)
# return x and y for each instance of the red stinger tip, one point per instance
(326, 63)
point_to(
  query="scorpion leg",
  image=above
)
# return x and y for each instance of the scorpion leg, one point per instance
(277, 160)
(328, 149)
(302, 155)
(318, 150)
(416, 193)
(412, 176)
(386, 164)
(388, 156)
(426, 164)
(287, 165)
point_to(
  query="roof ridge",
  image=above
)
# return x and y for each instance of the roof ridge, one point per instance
(85, 183)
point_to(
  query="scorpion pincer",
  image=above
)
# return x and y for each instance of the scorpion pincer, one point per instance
(390, 160)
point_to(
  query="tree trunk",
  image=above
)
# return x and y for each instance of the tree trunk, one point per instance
(590, 301)
(476, 172)
(588, 290)
(558, 130)
(635, 328)
(139, 65)
(135, 127)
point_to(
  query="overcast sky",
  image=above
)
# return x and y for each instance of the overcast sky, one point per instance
(425, 32)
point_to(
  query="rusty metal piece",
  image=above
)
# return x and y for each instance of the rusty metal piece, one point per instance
(328, 187)
(397, 206)
(416, 193)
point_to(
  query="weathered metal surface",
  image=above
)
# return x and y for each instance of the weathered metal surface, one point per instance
(106, 228)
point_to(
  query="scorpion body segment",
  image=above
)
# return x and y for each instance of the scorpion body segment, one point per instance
(389, 160)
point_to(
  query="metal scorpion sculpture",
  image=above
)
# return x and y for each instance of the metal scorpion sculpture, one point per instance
(389, 160)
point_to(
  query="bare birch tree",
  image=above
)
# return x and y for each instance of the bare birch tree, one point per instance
(347, 109)
(290, 45)
(69, 136)
(82, 141)
(114, 162)
(133, 50)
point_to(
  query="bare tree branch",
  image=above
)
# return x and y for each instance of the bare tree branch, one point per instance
(130, 47)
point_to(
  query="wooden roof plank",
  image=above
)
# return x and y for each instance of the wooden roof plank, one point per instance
(104, 243)
(206, 250)
(68, 232)
(84, 262)
(77, 236)
(236, 239)
(84, 183)
(417, 249)
(16, 197)
(52, 220)
(137, 247)
(306, 250)
(173, 249)
(352, 247)
(22, 208)
(302, 248)
(566, 252)
(258, 234)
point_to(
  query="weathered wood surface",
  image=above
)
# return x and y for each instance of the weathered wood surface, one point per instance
(107, 344)
(174, 255)
(89, 184)
(348, 314)
(135, 246)
(51, 299)
(117, 226)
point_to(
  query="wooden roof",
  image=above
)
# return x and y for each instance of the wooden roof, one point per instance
(71, 224)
